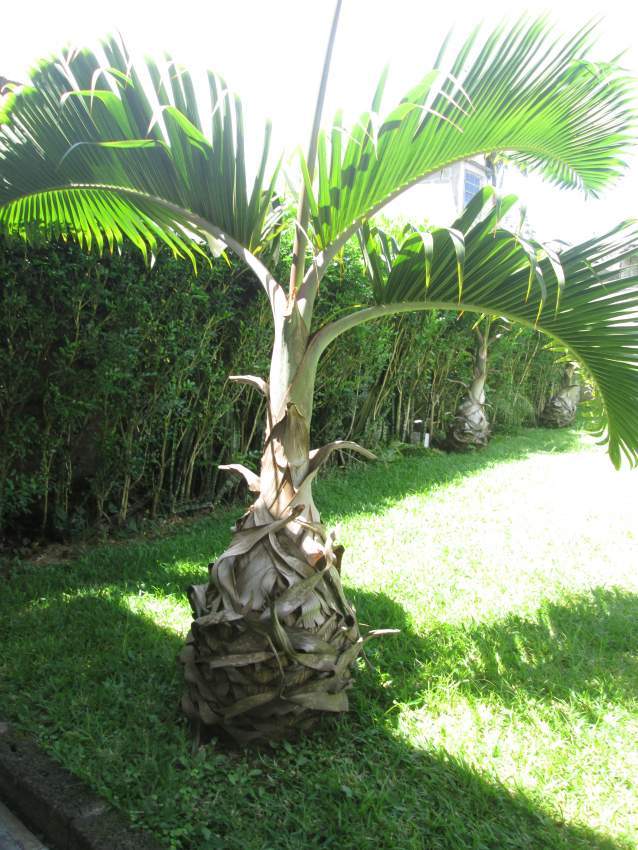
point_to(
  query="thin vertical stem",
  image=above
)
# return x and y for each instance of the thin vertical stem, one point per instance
(303, 215)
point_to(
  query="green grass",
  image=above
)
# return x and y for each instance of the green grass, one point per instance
(504, 715)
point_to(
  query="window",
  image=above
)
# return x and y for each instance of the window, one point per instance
(629, 267)
(471, 185)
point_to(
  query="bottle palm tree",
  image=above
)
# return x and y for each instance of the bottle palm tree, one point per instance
(470, 427)
(103, 152)
(560, 410)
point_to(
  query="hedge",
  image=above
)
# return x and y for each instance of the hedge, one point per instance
(114, 398)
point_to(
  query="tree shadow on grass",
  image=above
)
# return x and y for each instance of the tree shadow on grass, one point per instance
(97, 681)
(583, 650)
(369, 487)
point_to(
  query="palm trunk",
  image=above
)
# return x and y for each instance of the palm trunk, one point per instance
(560, 410)
(274, 639)
(470, 427)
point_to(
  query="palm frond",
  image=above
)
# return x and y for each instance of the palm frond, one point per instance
(542, 102)
(102, 150)
(582, 298)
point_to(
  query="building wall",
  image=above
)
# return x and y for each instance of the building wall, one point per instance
(441, 197)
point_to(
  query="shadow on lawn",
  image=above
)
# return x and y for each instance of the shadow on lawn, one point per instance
(584, 651)
(99, 685)
(368, 487)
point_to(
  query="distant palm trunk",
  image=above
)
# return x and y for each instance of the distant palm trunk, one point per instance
(470, 427)
(560, 410)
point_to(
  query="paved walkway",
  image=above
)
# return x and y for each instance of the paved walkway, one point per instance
(14, 835)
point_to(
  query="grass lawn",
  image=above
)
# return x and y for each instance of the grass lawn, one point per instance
(504, 715)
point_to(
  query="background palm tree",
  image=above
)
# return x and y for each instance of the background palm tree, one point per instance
(470, 427)
(103, 151)
(560, 410)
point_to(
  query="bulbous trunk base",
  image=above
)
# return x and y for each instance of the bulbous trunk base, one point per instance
(274, 639)
(470, 427)
(559, 412)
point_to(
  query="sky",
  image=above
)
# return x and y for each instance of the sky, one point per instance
(271, 54)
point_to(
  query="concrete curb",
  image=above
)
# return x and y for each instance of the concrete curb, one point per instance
(14, 835)
(59, 806)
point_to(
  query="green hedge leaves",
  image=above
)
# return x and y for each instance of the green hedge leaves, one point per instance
(114, 399)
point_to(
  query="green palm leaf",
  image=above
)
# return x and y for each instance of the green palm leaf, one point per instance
(106, 152)
(544, 103)
(581, 298)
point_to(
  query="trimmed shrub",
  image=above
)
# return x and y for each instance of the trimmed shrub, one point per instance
(114, 394)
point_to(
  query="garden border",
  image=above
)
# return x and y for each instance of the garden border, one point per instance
(57, 805)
